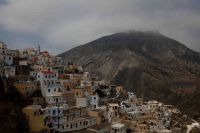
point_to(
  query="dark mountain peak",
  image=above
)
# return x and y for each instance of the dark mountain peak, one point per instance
(149, 44)
(133, 39)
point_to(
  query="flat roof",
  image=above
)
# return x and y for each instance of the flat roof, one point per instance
(165, 131)
(113, 104)
(118, 125)
(57, 94)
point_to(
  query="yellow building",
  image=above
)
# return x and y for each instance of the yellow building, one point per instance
(37, 119)
(26, 88)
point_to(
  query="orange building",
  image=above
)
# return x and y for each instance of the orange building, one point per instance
(26, 88)
(78, 91)
(119, 89)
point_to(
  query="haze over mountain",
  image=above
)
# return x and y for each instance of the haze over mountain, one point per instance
(148, 63)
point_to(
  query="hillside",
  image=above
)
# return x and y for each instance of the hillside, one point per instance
(149, 63)
(11, 118)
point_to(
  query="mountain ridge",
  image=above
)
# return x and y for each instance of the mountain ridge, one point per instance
(149, 63)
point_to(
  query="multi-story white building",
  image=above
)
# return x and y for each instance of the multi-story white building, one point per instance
(50, 86)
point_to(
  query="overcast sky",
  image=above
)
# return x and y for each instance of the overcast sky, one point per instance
(59, 25)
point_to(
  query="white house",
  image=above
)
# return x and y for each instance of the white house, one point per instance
(131, 95)
(9, 71)
(152, 105)
(8, 59)
(94, 101)
(118, 128)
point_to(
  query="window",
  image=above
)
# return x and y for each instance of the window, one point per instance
(54, 112)
(49, 90)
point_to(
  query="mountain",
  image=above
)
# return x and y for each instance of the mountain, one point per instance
(148, 63)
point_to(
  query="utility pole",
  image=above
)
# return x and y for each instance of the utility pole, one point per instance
(38, 49)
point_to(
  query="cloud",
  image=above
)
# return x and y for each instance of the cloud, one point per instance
(59, 25)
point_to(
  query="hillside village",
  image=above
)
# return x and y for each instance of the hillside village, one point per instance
(65, 98)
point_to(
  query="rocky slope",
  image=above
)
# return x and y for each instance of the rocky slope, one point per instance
(152, 65)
